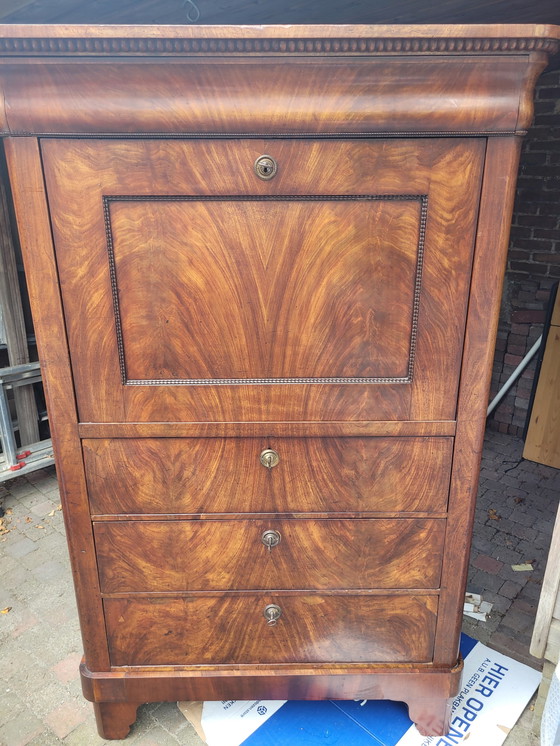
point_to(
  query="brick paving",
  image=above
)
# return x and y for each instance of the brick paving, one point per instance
(40, 641)
(514, 518)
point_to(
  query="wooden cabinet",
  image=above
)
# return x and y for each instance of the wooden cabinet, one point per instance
(265, 268)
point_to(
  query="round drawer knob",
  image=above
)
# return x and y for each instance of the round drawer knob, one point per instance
(271, 538)
(272, 614)
(266, 167)
(269, 458)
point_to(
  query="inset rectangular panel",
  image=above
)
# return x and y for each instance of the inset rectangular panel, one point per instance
(195, 291)
(252, 288)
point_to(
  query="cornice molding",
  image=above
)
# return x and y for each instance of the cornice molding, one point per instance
(343, 46)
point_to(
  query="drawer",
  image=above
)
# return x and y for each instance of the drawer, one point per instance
(230, 554)
(225, 475)
(234, 630)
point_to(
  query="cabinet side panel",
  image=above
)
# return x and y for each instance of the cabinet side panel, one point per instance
(31, 210)
(498, 190)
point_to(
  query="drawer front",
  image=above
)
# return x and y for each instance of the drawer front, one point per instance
(234, 630)
(225, 475)
(311, 554)
(196, 291)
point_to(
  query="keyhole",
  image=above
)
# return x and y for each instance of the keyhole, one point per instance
(265, 167)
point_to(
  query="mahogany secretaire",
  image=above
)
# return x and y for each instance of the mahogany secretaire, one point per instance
(265, 268)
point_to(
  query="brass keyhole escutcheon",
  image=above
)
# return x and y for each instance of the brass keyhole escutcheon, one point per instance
(266, 167)
(272, 614)
(269, 458)
(271, 538)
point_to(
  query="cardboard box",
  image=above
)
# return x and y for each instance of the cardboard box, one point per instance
(495, 691)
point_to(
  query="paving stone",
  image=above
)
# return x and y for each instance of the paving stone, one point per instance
(488, 564)
(21, 548)
(502, 538)
(12, 703)
(86, 735)
(46, 738)
(532, 591)
(510, 589)
(499, 603)
(157, 736)
(24, 621)
(38, 529)
(21, 730)
(506, 555)
(51, 570)
(518, 621)
(15, 660)
(481, 544)
(170, 718)
(525, 518)
(43, 508)
(514, 647)
(486, 581)
(68, 668)
(20, 488)
(40, 557)
(66, 717)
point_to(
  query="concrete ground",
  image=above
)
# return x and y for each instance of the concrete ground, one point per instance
(40, 641)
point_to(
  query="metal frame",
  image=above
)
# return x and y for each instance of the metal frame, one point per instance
(14, 461)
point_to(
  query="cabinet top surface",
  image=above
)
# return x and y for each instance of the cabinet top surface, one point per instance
(46, 40)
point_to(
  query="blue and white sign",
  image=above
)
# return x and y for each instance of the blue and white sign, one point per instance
(495, 691)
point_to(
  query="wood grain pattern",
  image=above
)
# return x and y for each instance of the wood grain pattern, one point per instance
(542, 443)
(215, 320)
(232, 629)
(230, 555)
(498, 191)
(317, 290)
(439, 36)
(547, 609)
(264, 96)
(210, 475)
(24, 166)
(447, 172)
(416, 685)
(372, 428)
(114, 719)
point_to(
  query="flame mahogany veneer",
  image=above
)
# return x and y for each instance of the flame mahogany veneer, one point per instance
(191, 315)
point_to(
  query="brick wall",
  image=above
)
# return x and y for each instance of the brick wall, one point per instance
(534, 255)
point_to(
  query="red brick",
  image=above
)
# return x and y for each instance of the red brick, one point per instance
(528, 268)
(548, 93)
(520, 329)
(510, 589)
(528, 316)
(512, 359)
(68, 669)
(488, 564)
(517, 339)
(551, 258)
(66, 718)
